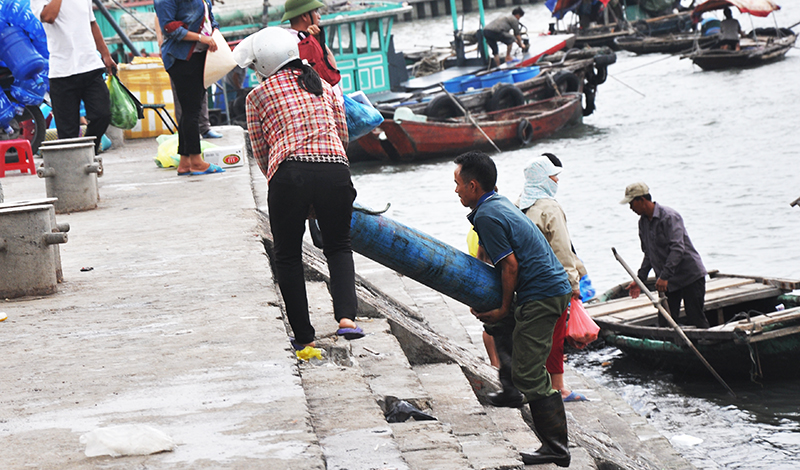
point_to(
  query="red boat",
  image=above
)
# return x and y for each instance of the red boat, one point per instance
(409, 140)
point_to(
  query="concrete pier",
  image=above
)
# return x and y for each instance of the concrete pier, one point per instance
(168, 315)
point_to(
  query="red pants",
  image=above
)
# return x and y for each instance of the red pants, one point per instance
(555, 361)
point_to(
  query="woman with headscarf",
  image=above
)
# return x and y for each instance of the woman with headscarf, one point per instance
(538, 202)
(298, 132)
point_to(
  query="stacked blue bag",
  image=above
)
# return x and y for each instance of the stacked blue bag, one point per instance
(23, 50)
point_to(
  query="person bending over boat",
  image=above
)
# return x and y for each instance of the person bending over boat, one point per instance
(537, 201)
(297, 130)
(498, 31)
(729, 32)
(529, 270)
(670, 253)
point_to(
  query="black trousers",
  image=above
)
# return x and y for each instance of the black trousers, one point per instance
(66, 94)
(293, 190)
(187, 76)
(493, 37)
(693, 296)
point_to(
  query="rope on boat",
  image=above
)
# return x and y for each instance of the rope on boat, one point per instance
(755, 367)
(370, 211)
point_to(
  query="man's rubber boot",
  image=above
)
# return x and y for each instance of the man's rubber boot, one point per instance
(509, 397)
(550, 425)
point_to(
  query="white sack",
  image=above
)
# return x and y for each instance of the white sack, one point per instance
(127, 439)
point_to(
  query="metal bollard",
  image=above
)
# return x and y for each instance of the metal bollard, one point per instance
(71, 173)
(57, 227)
(27, 250)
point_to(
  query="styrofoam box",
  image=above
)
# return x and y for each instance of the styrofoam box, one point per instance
(226, 157)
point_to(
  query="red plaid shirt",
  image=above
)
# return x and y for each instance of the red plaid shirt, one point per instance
(287, 122)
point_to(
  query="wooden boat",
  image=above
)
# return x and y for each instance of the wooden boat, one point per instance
(410, 140)
(755, 328)
(616, 23)
(669, 44)
(676, 23)
(762, 46)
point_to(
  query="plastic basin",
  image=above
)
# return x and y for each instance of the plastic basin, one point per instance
(496, 77)
(471, 82)
(453, 85)
(525, 73)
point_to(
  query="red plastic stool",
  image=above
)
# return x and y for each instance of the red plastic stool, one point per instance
(24, 156)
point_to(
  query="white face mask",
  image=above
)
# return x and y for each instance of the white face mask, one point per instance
(538, 184)
(550, 187)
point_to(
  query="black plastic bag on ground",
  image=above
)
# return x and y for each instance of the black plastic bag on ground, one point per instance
(398, 411)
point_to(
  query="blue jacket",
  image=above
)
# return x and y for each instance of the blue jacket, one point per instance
(176, 18)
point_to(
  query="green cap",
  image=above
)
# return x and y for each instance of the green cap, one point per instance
(295, 8)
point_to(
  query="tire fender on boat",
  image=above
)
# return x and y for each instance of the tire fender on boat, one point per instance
(566, 81)
(525, 131)
(504, 97)
(601, 60)
(599, 75)
(589, 92)
(442, 107)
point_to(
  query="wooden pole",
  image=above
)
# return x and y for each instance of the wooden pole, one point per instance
(670, 320)
(469, 116)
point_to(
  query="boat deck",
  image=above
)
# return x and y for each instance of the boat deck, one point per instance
(720, 292)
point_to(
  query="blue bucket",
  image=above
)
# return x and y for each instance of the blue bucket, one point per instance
(17, 51)
(526, 73)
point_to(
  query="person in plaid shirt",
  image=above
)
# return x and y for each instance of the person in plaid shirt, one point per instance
(297, 130)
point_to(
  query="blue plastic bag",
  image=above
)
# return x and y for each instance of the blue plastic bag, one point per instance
(587, 291)
(360, 118)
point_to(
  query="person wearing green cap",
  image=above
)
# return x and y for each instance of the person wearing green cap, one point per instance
(304, 16)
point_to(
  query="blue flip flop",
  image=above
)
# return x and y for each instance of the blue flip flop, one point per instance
(351, 333)
(575, 396)
(211, 169)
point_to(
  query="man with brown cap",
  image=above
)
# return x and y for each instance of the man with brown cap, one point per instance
(670, 253)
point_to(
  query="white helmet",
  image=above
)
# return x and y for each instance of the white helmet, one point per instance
(268, 50)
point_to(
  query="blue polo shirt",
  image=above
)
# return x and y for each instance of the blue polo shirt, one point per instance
(503, 229)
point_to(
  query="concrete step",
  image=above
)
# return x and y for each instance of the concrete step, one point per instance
(385, 365)
(453, 402)
(463, 437)
(425, 445)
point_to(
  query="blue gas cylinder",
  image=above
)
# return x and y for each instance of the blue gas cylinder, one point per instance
(19, 55)
(7, 111)
(426, 260)
(29, 92)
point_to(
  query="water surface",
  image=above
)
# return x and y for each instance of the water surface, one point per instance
(719, 147)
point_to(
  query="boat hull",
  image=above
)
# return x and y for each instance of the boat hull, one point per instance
(737, 345)
(408, 141)
(768, 359)
(764, 52)
(672, 44)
